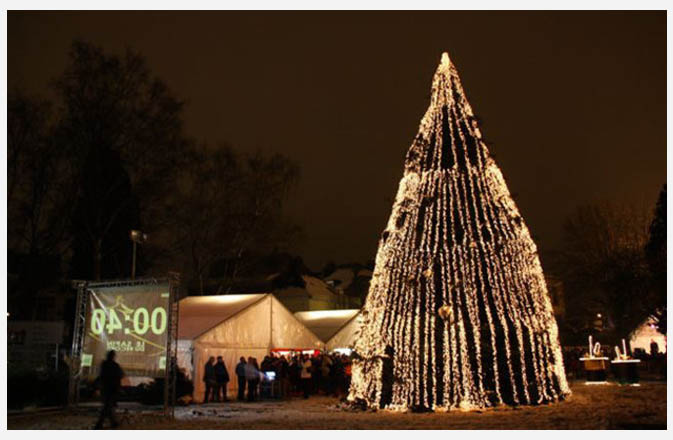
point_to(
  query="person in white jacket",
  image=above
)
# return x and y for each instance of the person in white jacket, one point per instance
(306, 374)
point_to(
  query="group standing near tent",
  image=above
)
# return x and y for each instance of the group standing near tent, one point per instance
(301, 374)
(254, 335)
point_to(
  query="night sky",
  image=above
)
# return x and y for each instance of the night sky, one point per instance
(573, 103)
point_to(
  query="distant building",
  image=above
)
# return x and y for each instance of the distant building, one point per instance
(352, 280)
(297, 287)
(316, 294)
(35, 345)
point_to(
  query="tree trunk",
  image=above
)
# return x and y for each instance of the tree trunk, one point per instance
(97, 259)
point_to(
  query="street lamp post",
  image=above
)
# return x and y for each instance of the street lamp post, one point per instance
(136, 237)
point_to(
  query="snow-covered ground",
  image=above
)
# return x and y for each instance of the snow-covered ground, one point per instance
(590, 407)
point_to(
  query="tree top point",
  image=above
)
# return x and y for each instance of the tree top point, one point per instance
(446, 62)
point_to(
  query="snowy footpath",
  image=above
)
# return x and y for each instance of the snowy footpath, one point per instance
(590, 407)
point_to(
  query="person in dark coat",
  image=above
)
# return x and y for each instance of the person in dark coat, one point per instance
(267, 364)
(222, 378)
(337, 375)
(387, 376)
(209, 380)
(240, 373)
(654, 348)
(252, 375)
(295, 374)
(348, 368)
(284, 376)
(316, 373)
(111, 375)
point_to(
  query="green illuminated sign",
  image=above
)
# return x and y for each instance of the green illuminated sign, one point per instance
(142, 322)
(132, 321)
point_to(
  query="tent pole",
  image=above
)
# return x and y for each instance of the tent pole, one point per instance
(271, 323)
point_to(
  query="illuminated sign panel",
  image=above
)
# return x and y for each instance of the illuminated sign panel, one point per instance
(133, 321)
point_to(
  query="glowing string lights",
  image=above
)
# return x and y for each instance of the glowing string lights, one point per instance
(458, 315)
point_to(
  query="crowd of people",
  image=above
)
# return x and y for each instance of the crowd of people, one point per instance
(280, 376)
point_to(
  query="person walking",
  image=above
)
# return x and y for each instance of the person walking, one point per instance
(240, 373)
(306, 367)
(222, 379)
(209, 379)
(111, 375)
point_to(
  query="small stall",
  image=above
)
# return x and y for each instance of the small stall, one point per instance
(595, 365)
(626, 368)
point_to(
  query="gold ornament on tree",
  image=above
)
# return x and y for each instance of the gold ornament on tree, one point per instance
(446, 313)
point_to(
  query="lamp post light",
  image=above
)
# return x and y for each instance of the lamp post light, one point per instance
(136, 237)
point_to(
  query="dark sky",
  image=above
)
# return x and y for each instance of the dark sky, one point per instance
(573, 102)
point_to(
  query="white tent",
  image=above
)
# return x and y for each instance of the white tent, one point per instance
(645, 334)
(345, 337)
(326, 323)
(232, 326)
(335, 327)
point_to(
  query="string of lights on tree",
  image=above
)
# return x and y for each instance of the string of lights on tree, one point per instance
(458, 314)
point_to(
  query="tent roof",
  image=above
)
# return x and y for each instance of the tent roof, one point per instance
(199, 314)
(326, 323)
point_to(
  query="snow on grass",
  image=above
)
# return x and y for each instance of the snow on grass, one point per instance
(589, 407)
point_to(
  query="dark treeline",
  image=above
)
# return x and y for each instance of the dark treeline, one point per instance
(612, 264)
(109, 155)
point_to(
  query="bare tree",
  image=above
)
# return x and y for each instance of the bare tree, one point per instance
(655, 250)
(229, 206)
(114, 110)
(27, 125)
(604, 268)
(39, 179)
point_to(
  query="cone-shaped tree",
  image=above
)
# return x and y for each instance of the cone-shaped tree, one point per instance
(458, 314)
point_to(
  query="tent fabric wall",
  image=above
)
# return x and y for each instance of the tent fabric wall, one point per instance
(185, 356)
(199, 314)
(326, 323)
(345, 337)
(264, 323)
(288, 331)
(250, 328)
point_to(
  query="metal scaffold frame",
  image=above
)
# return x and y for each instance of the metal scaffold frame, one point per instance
(79, 329)
(77, 341)
(172, 346)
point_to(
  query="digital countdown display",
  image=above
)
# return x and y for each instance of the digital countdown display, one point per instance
(133, 321)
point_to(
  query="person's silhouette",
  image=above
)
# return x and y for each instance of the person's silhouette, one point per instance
(111, 380)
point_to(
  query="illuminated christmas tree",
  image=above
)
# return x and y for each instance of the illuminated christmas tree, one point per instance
(458, 314)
